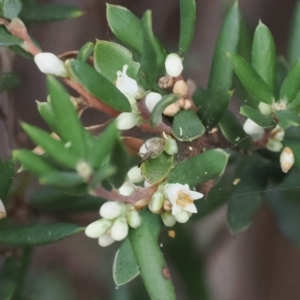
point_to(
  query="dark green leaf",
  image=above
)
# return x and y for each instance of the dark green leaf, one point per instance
(199, 169)
(109, 58)
(221, 70)
(102, 174)
(265, 121)
(187, 24)
(6, 39)
(187, 131)
(49, 12)
(6, 175)
(85, 51)
(20, 51)
(61, 179)
(253, 83)
(294, 40)
(8, 81)
(11, 8)
(264, 55)
(37, 235)
(97, 85)
(287, 118)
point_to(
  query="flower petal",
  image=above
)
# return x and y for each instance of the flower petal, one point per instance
(191, 208)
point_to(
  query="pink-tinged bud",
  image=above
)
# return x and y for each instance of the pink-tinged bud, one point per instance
(49, 63)
(112, 209)
(173, 65)
(119, 229)
(180, 87)
(287, 159)
(2, 210)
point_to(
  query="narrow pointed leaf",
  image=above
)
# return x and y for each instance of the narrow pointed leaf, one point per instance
(6, 175)
(85, 51)
(294, 40)
(7, 39)
(264, 55)
(97, 85)
(187, 24)
(253, 83)
(61, 179)
(265, 121)
(8, 81)
(287, 118)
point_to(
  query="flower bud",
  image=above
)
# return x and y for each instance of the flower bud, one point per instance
(151, 100)
(84, 170)
(97, 228)
(127, 120)
(126, 189)
(133, 218)
(287, 159)
(265, 109)
(274, 145)
(182, 217)
(105, 240)
(187, 104)
(119, 229)
(49, 63)
(2, 210)
(253, 129)
(173, 65)
(112, 209)
(135, 175)
(126, 84)
(180, 87)
(171, 110)
(147, 184)
(168, 219)
(277, 133)
(157, 201)
(171, 146)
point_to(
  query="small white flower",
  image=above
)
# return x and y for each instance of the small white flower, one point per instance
(157, 201)
(2, 210)
(126, 84)
(287, 159)
(151, 100)
(127, 120)
(173, 65)
(97, 228)
(168, 219)
(119, 229)
(133, 218)
(253, 129)
(49, 63)
(127, 189)
(181, 197)
(105, 240)
(112, 209)
(135, 175)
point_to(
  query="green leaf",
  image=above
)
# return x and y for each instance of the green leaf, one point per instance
(234, 132)
(294, 40)
(46, 111)
(70, 127)
(251, 80)
(6, 39)
(265, 121)
(6, 175)
(287, 118)
(212, 105)
(264, 55)
(125, 26)
(61, 179)
(109, 58)
(85, 51)
(32, 162)
(156, 115)
(199, 169)
(291, 84)
(97, 85)
(11, 8)
(152, 265)
(49, 12)
(187, 24)
(125, 267)
(8, 81)
(53, 147)
(221, 70)
(101, 175)
(187, 131)
(37, 235)
(20, 51)
(156, 169)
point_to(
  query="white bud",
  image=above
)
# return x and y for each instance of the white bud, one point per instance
(147, 184)
(119, 229)
(152, 99)
(112, 209)
(265, 109)
(157, 201)
(105, 240)
(133, 218)
(173, 65)
(168, 219)
(171, 146)
(274, 145)
(97, 228)
(126, 189)
(2, 210)
(182, 217)
(131, 99)
(84, 170)
(277, 133)
(253, 129)
(135, 175)
(287, 159)
(49, 63)
(127, 120)
(126, 84)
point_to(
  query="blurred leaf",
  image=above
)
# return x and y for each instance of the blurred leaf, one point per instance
(20, 51)
(61, 179)
(251, 80)
(287, 118)
(156, 169)
(282, 68)
(221, 69)
(68, 124)
(125, 26)
(234, 132)
(102, 174)
(153, 269)
(187, 131)
(264, 55)
(156, 114)
(109, 58)
(199, 169)
(6, 175)
(187, 24)
(125, 267)
(7, 39)
(265, 121)
(97, 85)
(49, 12)
(8, 81)
(85, 51)
(37, 235)
(291, 83)
(294, 40)
(11, 8)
